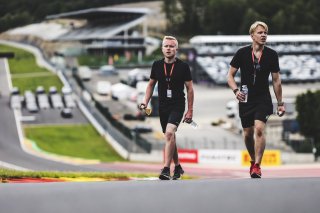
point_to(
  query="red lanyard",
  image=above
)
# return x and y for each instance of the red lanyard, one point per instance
(165, 73)
(165, 69)
(253, 56)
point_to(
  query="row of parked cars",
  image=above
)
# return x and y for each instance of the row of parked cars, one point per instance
(42, 100)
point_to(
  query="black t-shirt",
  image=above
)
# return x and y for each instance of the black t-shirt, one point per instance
(180, 74)
(269, 62)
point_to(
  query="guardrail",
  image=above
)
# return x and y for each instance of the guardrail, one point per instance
(127, 138)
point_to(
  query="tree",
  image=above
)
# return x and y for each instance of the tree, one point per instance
(308, 109)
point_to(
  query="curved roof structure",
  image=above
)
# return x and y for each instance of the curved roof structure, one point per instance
(102, 23)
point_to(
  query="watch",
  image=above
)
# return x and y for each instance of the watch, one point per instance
(280, 103)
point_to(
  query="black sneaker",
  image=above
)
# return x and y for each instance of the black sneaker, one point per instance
(165, 174)
(177, 173)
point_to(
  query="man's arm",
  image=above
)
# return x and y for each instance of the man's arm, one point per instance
(149, 91)
(277, 88)
(230, 78)
(233, 85)
(190, 98)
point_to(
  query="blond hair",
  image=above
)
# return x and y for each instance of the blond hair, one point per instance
(170, 38)
(254, 26)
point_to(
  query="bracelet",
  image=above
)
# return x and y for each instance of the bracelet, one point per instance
(281, 103)
(235, 90)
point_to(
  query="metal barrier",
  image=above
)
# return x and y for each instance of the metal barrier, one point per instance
(128, 139)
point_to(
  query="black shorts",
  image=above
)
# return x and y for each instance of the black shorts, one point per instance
(170, 114)
(249, 112)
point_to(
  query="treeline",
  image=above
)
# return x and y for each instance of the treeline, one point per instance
(308, 108)
(16, 13)
(187, 17)
(234, 17)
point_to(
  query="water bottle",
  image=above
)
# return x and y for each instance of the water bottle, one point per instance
(191, 122)
(244, 90)
(194, 124)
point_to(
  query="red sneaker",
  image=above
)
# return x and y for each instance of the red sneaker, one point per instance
(256, 171)
(251, 166)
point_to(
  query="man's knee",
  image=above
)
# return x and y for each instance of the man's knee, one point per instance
(170, 132)
(248, 133)
(259, 129)
(169, 135)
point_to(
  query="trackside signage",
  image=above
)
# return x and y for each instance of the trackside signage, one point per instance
(188, 155)
(270, 158)
(216, 156)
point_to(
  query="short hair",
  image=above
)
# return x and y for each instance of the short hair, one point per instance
(170, 38)
(254, 26)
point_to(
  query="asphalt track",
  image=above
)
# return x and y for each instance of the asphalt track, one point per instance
(294, 195)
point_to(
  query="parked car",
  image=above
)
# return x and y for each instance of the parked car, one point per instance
(66, 113)
(15, 102)
(43, 101)
(84, 73)
(66, 90)
(69, 102)
(30, 101)
(104, 88)
(56, 101)
(108, 70)
(32, 107)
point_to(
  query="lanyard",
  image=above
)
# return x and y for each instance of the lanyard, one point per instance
(255, 65)
(253, 56)
(166, 75)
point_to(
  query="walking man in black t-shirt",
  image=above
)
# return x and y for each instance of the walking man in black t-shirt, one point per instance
(172, 76)
(256, 62)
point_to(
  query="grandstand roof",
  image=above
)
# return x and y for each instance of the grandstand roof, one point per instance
(102, 23)
(102, 12)
(247, 39)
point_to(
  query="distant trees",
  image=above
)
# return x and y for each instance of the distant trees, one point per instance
(188, 17)
(308, 108)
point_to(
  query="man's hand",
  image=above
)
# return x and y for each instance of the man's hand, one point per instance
(281, 110)
(188, 116)
(142, 106)
(240, 96)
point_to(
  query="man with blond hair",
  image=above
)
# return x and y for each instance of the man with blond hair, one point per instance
(256, 62)
(172, 75)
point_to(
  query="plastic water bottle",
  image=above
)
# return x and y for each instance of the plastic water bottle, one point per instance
(194, 124)
(244, 90)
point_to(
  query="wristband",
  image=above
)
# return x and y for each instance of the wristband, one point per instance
(235, 90)
(281, 103)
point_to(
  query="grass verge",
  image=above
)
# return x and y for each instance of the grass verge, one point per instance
(81, 141)
(8, 173)
(25, 63)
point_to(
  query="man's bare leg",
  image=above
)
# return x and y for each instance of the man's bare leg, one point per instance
(260, 143)
(170, 147)
(248, 134)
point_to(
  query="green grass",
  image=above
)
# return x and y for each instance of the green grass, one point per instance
(80, 141)
(31, 83)
(24, 71)
(23, 61)
(8, 173)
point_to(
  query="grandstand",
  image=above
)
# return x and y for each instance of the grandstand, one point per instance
(108, 30)
(299, 56)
